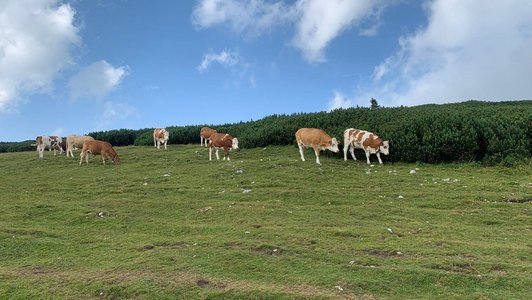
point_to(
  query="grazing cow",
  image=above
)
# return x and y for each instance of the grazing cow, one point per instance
(317, 139)
(205, 134)
(160, 136)
(61, 146)
(76, 142)
(222, 140)
(368, 141)
(50, 142)
(98, 147)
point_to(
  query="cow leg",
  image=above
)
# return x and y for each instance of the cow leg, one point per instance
(40, 150)
(367, 156)
(317, 152)
(352, 150)
(301, 151)
(226, 153)
(201, 141)
(81, 156)
(379, 157)
(346, 147)
(103, 158)
(165, 145)
(210, 153)
(217, 156)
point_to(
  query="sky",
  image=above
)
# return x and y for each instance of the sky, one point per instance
(79, 66)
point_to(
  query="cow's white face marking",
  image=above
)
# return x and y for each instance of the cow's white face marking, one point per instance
(334, 145)
(235, 143)
(385, 148)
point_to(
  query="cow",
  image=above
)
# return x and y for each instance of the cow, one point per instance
(160, 136)
(368, 141)
(76, 142)
(205, 134)
(317, 139)
(222, 140)
(51, 142)
(98, 147)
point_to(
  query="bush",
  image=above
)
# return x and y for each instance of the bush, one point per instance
(491, 132)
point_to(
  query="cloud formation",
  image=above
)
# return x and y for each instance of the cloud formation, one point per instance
(316, 22)
(113, 114)
(36, 39)
(320, 21)
(339, 101)
(468, 50)
(249, 17)
(225, 58)
(96, 80)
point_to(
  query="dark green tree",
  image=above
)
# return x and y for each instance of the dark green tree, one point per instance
(374, 103)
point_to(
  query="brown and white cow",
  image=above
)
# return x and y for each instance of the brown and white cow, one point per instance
(368, 141)
(222, 141)
(205, 134)
(160, 136)
(317, 139)
(50, 142)
(96, 147)
(76, 142)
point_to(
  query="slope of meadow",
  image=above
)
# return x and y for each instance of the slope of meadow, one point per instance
(171, 224)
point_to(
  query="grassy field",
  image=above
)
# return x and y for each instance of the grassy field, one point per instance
(171, 224)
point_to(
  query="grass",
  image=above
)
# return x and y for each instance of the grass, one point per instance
(171, 224)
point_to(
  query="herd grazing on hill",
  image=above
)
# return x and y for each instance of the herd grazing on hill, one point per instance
(314, 138)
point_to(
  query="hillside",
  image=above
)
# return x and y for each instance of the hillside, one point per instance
(490, 132)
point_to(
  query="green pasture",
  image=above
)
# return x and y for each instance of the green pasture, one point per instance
(265, 225)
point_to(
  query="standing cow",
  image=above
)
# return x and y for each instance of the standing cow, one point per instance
(160, 136)
(317, 139)
(76, 142)
(222, 141)
(96, 147)
(205, 135)
(368, 141)
(50, 142)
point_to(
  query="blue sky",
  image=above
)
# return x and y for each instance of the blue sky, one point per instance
(74, 67)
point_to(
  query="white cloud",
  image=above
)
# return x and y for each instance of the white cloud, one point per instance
(114, 113)
(339, 101)
(58, 132)
(96, 80)
(317, 22)
(323, 20)
(225, 58)
(250, 17)
(468, 50)
(36, 38)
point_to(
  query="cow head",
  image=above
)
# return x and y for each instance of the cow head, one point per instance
(234, 144)
(384, 148)
(334, 145)
(116, 159)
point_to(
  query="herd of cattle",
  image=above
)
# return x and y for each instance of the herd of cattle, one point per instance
(315, 138)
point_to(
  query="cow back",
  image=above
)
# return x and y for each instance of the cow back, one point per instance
(207, 132)
(313, 136)
(221, 140)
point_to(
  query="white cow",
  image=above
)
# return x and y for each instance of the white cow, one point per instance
(317, 139)
(368, 141)
(160, 136)
(50, 142)
(76, 142)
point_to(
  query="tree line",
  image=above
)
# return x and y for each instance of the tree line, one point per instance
(490, 132)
